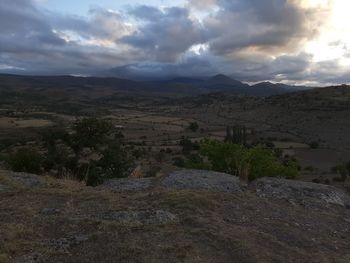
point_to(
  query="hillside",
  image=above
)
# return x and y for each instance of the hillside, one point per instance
(96, 87)
(171, 219)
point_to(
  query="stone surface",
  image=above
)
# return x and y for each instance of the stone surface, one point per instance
(147, 217)
(50, 211)
(23, 180)
(203, 181)
(300, 192)
(127, 184)
(64, 245)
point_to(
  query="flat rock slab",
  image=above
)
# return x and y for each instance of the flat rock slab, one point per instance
(127, 184)
(202, 181)
(147, 217)
(23, 180)
(300, 192)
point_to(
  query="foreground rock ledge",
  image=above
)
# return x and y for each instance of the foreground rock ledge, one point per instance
(214, 220)
(203, 180)
(300, 192)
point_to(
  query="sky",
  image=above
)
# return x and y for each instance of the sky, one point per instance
(303, 42)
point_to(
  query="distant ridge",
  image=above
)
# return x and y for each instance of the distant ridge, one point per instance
(182, 86)
(223, 80)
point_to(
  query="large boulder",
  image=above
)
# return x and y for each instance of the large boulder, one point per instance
(300, 192)
(202, 181)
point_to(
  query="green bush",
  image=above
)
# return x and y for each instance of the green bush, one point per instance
(195, 161)
(179, 162)
(115, 163)
(343, 170)
(188, 145)
(247, 163)
(25, 160)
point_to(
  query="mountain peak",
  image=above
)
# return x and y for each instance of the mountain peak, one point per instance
(223, 80)
(221, 77)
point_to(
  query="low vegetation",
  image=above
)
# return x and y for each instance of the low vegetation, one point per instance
(92, 152)
(343, 170)
(248, 163)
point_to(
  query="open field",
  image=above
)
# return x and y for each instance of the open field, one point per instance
(14, 123)
(152, 123)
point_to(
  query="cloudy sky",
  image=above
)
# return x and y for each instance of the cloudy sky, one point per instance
(290, 41)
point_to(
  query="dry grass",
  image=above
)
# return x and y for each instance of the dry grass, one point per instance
(15, 123)
(13, 238)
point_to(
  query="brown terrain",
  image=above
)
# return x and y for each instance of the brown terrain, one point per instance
(49, 220)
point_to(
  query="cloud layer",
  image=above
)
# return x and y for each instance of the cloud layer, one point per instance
(251, 40)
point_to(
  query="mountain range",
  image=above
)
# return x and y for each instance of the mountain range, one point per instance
(180, 86)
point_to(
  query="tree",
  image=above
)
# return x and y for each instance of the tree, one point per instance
(193, 126)
(343, 170)
(188, 145)
(236, 135)
(90, 133)
(115, 163)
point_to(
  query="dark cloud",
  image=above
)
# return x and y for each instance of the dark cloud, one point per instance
(251, 40)
(164, 35)
(35, 42)
(23, 28)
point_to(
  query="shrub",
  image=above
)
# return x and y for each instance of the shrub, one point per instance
(247, 163)
(115, 162)
(188, 145)
(179, 162)
(195, 161)
(153, 171)
(343, 170)
(25, 160)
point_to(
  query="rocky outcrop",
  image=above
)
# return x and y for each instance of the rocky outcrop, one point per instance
(146, 217)
(300, 192)
(202, 181)
(155, 222)
(21, 180)
(127, 184)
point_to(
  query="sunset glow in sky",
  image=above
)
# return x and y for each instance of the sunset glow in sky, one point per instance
(290, 41)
